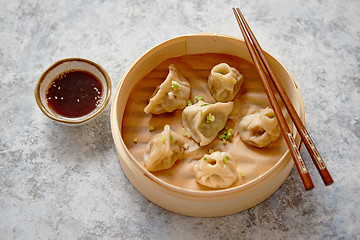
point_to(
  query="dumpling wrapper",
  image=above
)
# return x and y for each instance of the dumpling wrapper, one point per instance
(259, 129)
(224, 82)
(217, 170)
(172, 94)
(163, 150)
(195, 119)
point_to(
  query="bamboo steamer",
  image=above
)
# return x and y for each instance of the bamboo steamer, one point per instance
(184, 201)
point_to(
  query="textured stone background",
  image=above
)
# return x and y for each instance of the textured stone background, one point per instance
(59, 182)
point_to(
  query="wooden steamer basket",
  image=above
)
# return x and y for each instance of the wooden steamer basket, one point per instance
(191, 202)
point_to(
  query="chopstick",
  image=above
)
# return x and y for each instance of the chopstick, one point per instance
(290, 142)
(309, 144)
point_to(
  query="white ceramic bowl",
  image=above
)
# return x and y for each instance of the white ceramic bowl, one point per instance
(184, 201)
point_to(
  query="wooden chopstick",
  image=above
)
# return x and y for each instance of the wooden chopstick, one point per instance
(309, 144)
(295, 153)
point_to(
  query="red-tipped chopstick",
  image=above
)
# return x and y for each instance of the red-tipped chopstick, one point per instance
(319, 163)
(295, 153)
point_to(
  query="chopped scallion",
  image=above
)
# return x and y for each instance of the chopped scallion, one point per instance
(198, 98)
(226, 135)
(175, 85)
(185, 133)
(222, 136)
(151, 128)
(229, 134)
(210, 118)
(226, 160)
(170, 95)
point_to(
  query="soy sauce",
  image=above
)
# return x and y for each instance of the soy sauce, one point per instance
(74, 94)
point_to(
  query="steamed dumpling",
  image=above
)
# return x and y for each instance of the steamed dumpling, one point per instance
(163, 150)
(204, 121)
(259, 129)
(217, 170)
(224, 82)
(172, 94)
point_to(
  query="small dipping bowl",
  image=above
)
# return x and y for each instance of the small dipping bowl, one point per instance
(67, 66)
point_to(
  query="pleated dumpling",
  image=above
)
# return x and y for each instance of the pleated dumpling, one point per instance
(259, 129)
(224, 82)
(204, 121)
(216, 170)
(172, 94)
(163, 150)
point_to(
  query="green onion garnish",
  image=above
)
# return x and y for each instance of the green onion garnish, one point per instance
(206, 104)
(229, 134)
(185, 133)
(226, 135)
(222, 136)
(226, 160)
(210, 118)
(151, 128)
(175, 85)
(198, 98)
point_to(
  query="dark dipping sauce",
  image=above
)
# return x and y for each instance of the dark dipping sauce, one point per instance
(74, 94)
